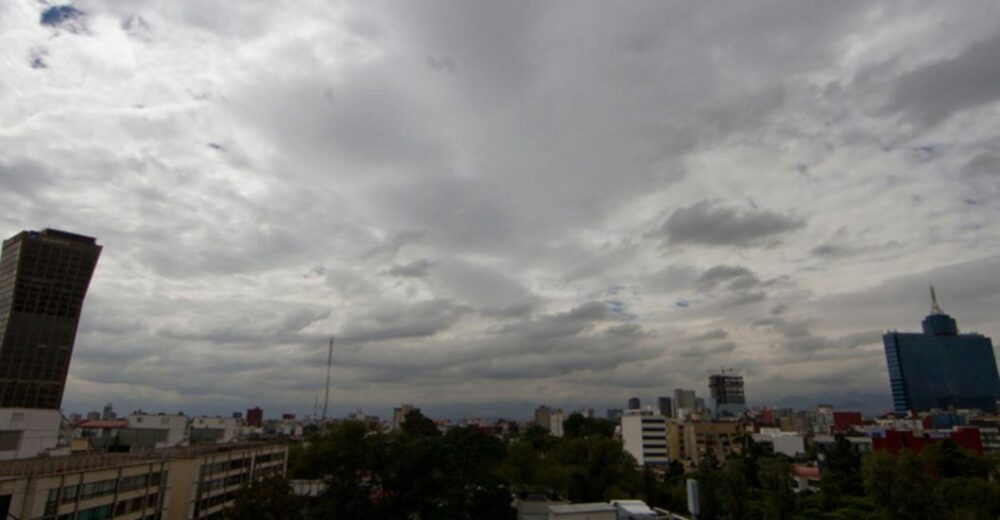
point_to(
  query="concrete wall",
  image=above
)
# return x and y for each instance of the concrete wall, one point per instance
(176, 426)
(37, 431)
(644, 435)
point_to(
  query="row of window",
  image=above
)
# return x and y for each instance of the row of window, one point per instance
(94, 513)
(132, 505)
(102, 487)
(223, 482)
(210, 502)
(268, 457)
(226, 465)
(100, 513)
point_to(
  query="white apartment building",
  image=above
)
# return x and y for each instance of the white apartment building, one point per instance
(173, 484)
(172, 426)
(788, 443)
(214, 429)
(644, 435)
(27, 432)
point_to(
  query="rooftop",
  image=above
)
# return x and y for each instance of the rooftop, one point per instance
(595, 507)
(38, 466)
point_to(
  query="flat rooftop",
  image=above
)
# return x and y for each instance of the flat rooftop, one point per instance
(40, 466)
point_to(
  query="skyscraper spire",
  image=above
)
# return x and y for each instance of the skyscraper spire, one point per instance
(935, 308)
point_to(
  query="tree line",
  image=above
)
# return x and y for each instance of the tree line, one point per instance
(465, 473)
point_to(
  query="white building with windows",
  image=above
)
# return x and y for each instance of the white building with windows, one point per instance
(174, 427)
(28, 432)
(644, 435)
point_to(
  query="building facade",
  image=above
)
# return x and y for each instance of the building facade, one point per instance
(691, 441)
(728, 394)
(941, 368)
(644, 435)
(665, 406)
(255, 417)
(685, 402)
(182, 483)
(44, 276)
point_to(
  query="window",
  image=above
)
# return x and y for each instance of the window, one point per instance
(10, 440)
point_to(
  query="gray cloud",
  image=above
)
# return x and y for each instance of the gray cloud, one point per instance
(937, 90)
(731, 276)
(707, 223)
(721, 348)
(712, 334)
(415, 269)
(986, 165)
(463, 194)
(396, 322)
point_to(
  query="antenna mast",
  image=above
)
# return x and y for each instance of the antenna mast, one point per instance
(935, 308)
(326, 398)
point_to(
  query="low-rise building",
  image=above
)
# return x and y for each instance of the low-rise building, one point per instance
(172, 426)
(690, 441)
(589, 511)
(213, 429)
(27, 432)
(788, 443)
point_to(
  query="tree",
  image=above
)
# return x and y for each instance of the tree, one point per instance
(416, 424)
(778, 499)
(947, 460)
(734, 488)
(841, 474)
(577, 426)
(879, 471)
(472, 486)
(912, 489)
(710, 488)
(265, 499)
(900, 486)
(351, 461)
(596, 469)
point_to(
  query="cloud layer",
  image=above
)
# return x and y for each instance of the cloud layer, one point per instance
(493, 206)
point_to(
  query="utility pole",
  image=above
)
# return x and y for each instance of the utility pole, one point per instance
(326, 398)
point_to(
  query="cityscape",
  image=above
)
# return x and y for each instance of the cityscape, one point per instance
(945, 390)
(540, 260)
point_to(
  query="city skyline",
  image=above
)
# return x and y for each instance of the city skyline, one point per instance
(496, 207)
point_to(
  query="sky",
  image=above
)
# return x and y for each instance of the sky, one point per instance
(498, 205)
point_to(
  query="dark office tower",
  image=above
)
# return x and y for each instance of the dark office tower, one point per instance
(634, 403)
(666, 406)
(941, 368)
(255, 417)
(727, 392)
(43, 279)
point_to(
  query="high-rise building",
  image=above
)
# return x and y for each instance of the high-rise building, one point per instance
(666, 406)
(685, 402)
(644, 435)
(255, 417)
(44, 277)
(727, 392)
(634, 403)
(941, 368)
(551, 419)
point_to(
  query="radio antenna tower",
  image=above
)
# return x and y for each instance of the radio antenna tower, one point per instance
(326, 398)
(935, 308)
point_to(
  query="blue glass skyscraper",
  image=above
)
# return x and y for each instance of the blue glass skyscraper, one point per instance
(941, 368)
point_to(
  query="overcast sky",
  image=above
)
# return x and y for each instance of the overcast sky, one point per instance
(495, 205)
